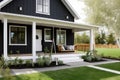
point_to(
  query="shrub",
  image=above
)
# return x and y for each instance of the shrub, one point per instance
(60, 62)
(47, 60)
(10, 62)
(28, 63)
(91, 56)
(40, 61)
(20, 61)
(4, 70)
(15, 61)
(3, 62)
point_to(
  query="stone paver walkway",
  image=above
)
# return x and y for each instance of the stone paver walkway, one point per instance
(69, 65)
(104, 69)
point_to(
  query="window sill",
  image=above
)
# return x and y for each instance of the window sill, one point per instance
(17, 44)
(48, 41)
(42, 13)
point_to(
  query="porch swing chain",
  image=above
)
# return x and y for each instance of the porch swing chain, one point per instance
(53, 44)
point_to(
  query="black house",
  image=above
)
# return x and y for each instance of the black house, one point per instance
(30, 26)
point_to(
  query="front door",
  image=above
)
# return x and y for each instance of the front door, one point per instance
(38, 40)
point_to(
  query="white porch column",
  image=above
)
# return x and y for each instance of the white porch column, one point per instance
(34, 41)
(91, 39)
(5, 38)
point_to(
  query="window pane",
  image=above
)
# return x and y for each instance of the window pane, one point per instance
(13, 35)
(39, 2)
(43, 6)
(61, 37)
(17, 35)
(39, 8)
(47, 34)
(45, 9)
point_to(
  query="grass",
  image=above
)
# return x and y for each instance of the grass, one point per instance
(114, 66)
(81, 73)
(109, 52)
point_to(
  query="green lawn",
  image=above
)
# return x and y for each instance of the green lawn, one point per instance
(114, 53)
(114, 66)
(81, 73)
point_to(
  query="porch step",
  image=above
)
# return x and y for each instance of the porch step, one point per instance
(66, 58)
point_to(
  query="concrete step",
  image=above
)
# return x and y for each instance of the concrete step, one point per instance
(67, 55)
(66, 58)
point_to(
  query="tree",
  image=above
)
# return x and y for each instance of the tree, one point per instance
(84, 38)
(111, 39)
(104, 13)
(77, 38)
(101, 38)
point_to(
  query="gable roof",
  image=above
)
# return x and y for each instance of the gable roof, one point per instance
(71, 8)
(67, 3)
(4, 3)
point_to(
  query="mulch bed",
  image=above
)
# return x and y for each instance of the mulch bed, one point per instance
(103, 59)
(108, 57)
(35, 65)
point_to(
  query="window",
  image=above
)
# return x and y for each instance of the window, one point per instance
(43, 6)
(48, 37)
(17, 35)
(61, 37)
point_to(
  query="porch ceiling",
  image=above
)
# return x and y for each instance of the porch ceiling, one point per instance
(23, 19)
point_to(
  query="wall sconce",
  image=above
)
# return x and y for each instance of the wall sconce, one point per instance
(20, 8)
(67, 17)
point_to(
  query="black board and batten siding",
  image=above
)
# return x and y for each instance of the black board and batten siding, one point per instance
(28, 48)
(57, 9)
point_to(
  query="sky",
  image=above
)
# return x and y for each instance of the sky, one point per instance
(80, 7)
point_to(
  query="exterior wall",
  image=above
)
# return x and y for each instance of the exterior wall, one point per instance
(70, 37)
(28, 48)
(25, 48)
(57, 9)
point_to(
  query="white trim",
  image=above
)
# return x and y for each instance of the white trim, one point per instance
(11, 44)
(42, 12)
(60, 34)
(4, 3)
(91, 40)
(5, 38)
(70, 7)
(48, 21)
(34, 41)
(45, 35)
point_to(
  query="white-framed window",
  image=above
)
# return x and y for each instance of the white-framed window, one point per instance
(17, 35)
(61, 37)
(43, 7)
(47, 35)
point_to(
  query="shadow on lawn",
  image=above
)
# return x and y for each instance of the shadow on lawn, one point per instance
(82, 73)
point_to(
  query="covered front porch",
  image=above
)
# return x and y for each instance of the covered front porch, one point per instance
(38, 23)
